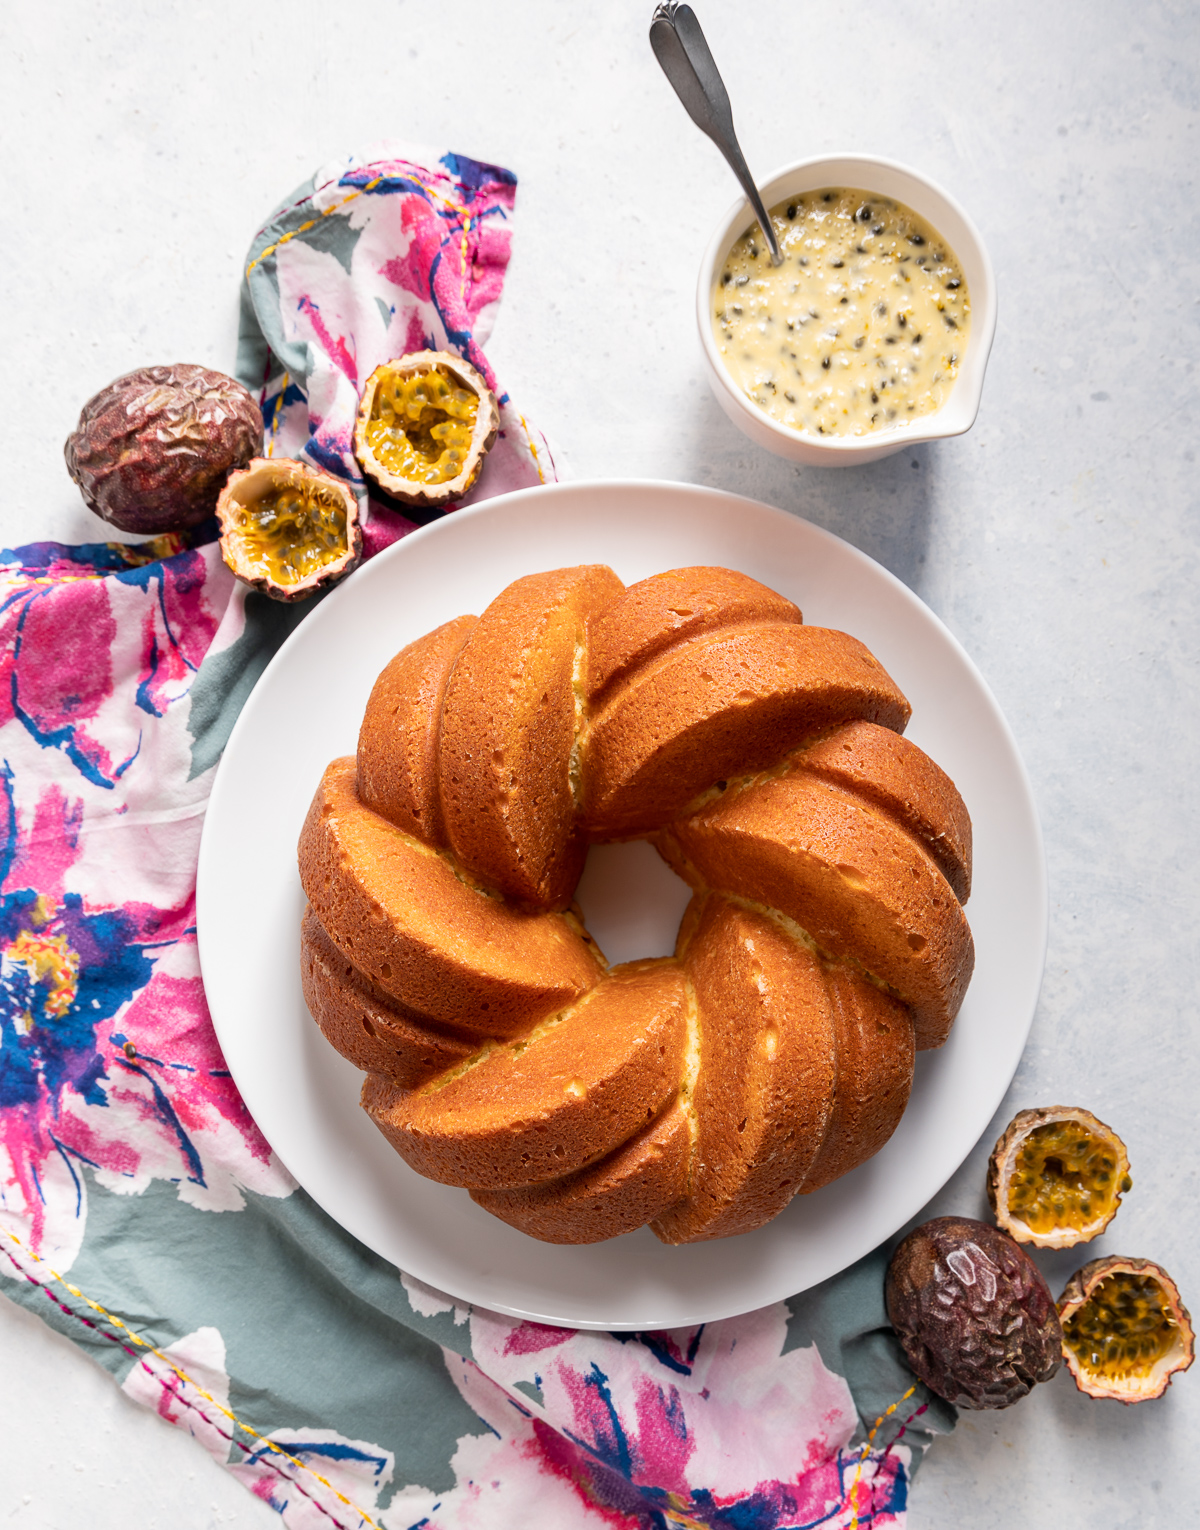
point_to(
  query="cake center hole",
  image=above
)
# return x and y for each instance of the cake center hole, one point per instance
(632, 901)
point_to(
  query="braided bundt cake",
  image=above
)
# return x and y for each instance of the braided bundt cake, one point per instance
(825, 940)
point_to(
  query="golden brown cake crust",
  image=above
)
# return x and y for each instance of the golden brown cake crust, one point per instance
(397, 910)
(902, 781)
(875, 1049)
(524, 1113)
(507, 734)
(768, 1072)
(672, 609)
(621, 1193)
(366, 1025)
(866, 892)
(398, 740)
(730, 703)
(825, 941)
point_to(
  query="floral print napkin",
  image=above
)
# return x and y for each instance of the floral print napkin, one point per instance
(141, 1211)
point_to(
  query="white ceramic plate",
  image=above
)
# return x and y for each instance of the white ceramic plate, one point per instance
(306, 709)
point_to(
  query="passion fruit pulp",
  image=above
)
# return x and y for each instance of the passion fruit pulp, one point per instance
(288, 529)
(425, 423)
(1056, 1176)
(1125, 1330)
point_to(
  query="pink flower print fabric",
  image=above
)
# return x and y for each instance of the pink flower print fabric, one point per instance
(718, 1425)
(110, 1073)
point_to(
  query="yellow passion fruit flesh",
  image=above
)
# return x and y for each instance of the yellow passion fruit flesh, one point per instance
(421, 426)
(1056, 1177)
(424, 425)
(1125, 1330)
(288, 529)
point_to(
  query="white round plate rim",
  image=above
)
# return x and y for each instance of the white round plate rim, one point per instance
(304, 711)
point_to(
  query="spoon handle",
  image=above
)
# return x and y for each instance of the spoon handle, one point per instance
(682, 51)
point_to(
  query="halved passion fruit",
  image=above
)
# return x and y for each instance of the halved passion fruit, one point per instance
(425, 423)
(1125, 1330)
(1056, 1177)
(288, 529)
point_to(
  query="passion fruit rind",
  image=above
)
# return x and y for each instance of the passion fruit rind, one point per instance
(152, 451)
(975, 1318)
(1056, 1176)
(1125, 1330)
(289, 529)
(425, 423)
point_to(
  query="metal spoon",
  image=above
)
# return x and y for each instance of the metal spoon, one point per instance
(680, 47)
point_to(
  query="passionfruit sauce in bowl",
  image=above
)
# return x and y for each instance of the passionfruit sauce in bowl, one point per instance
(862, 327)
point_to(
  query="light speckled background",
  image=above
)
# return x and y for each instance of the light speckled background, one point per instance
(1058, 540)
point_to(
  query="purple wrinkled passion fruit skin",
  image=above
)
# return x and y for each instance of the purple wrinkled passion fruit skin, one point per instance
(152, 451)
(976, 1319)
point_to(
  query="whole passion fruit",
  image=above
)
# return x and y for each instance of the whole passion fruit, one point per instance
(152, 451)
(425, 423)
(1125, 1330)
(288, 529)
(976, 1320)
(1056, 1176)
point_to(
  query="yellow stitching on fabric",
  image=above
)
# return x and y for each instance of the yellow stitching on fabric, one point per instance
(312, 223)
(533, 451)
(183, 1376)
(276, 412)
(370, 186)
(679, 1519)
(900, 1401)
(462, 286)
